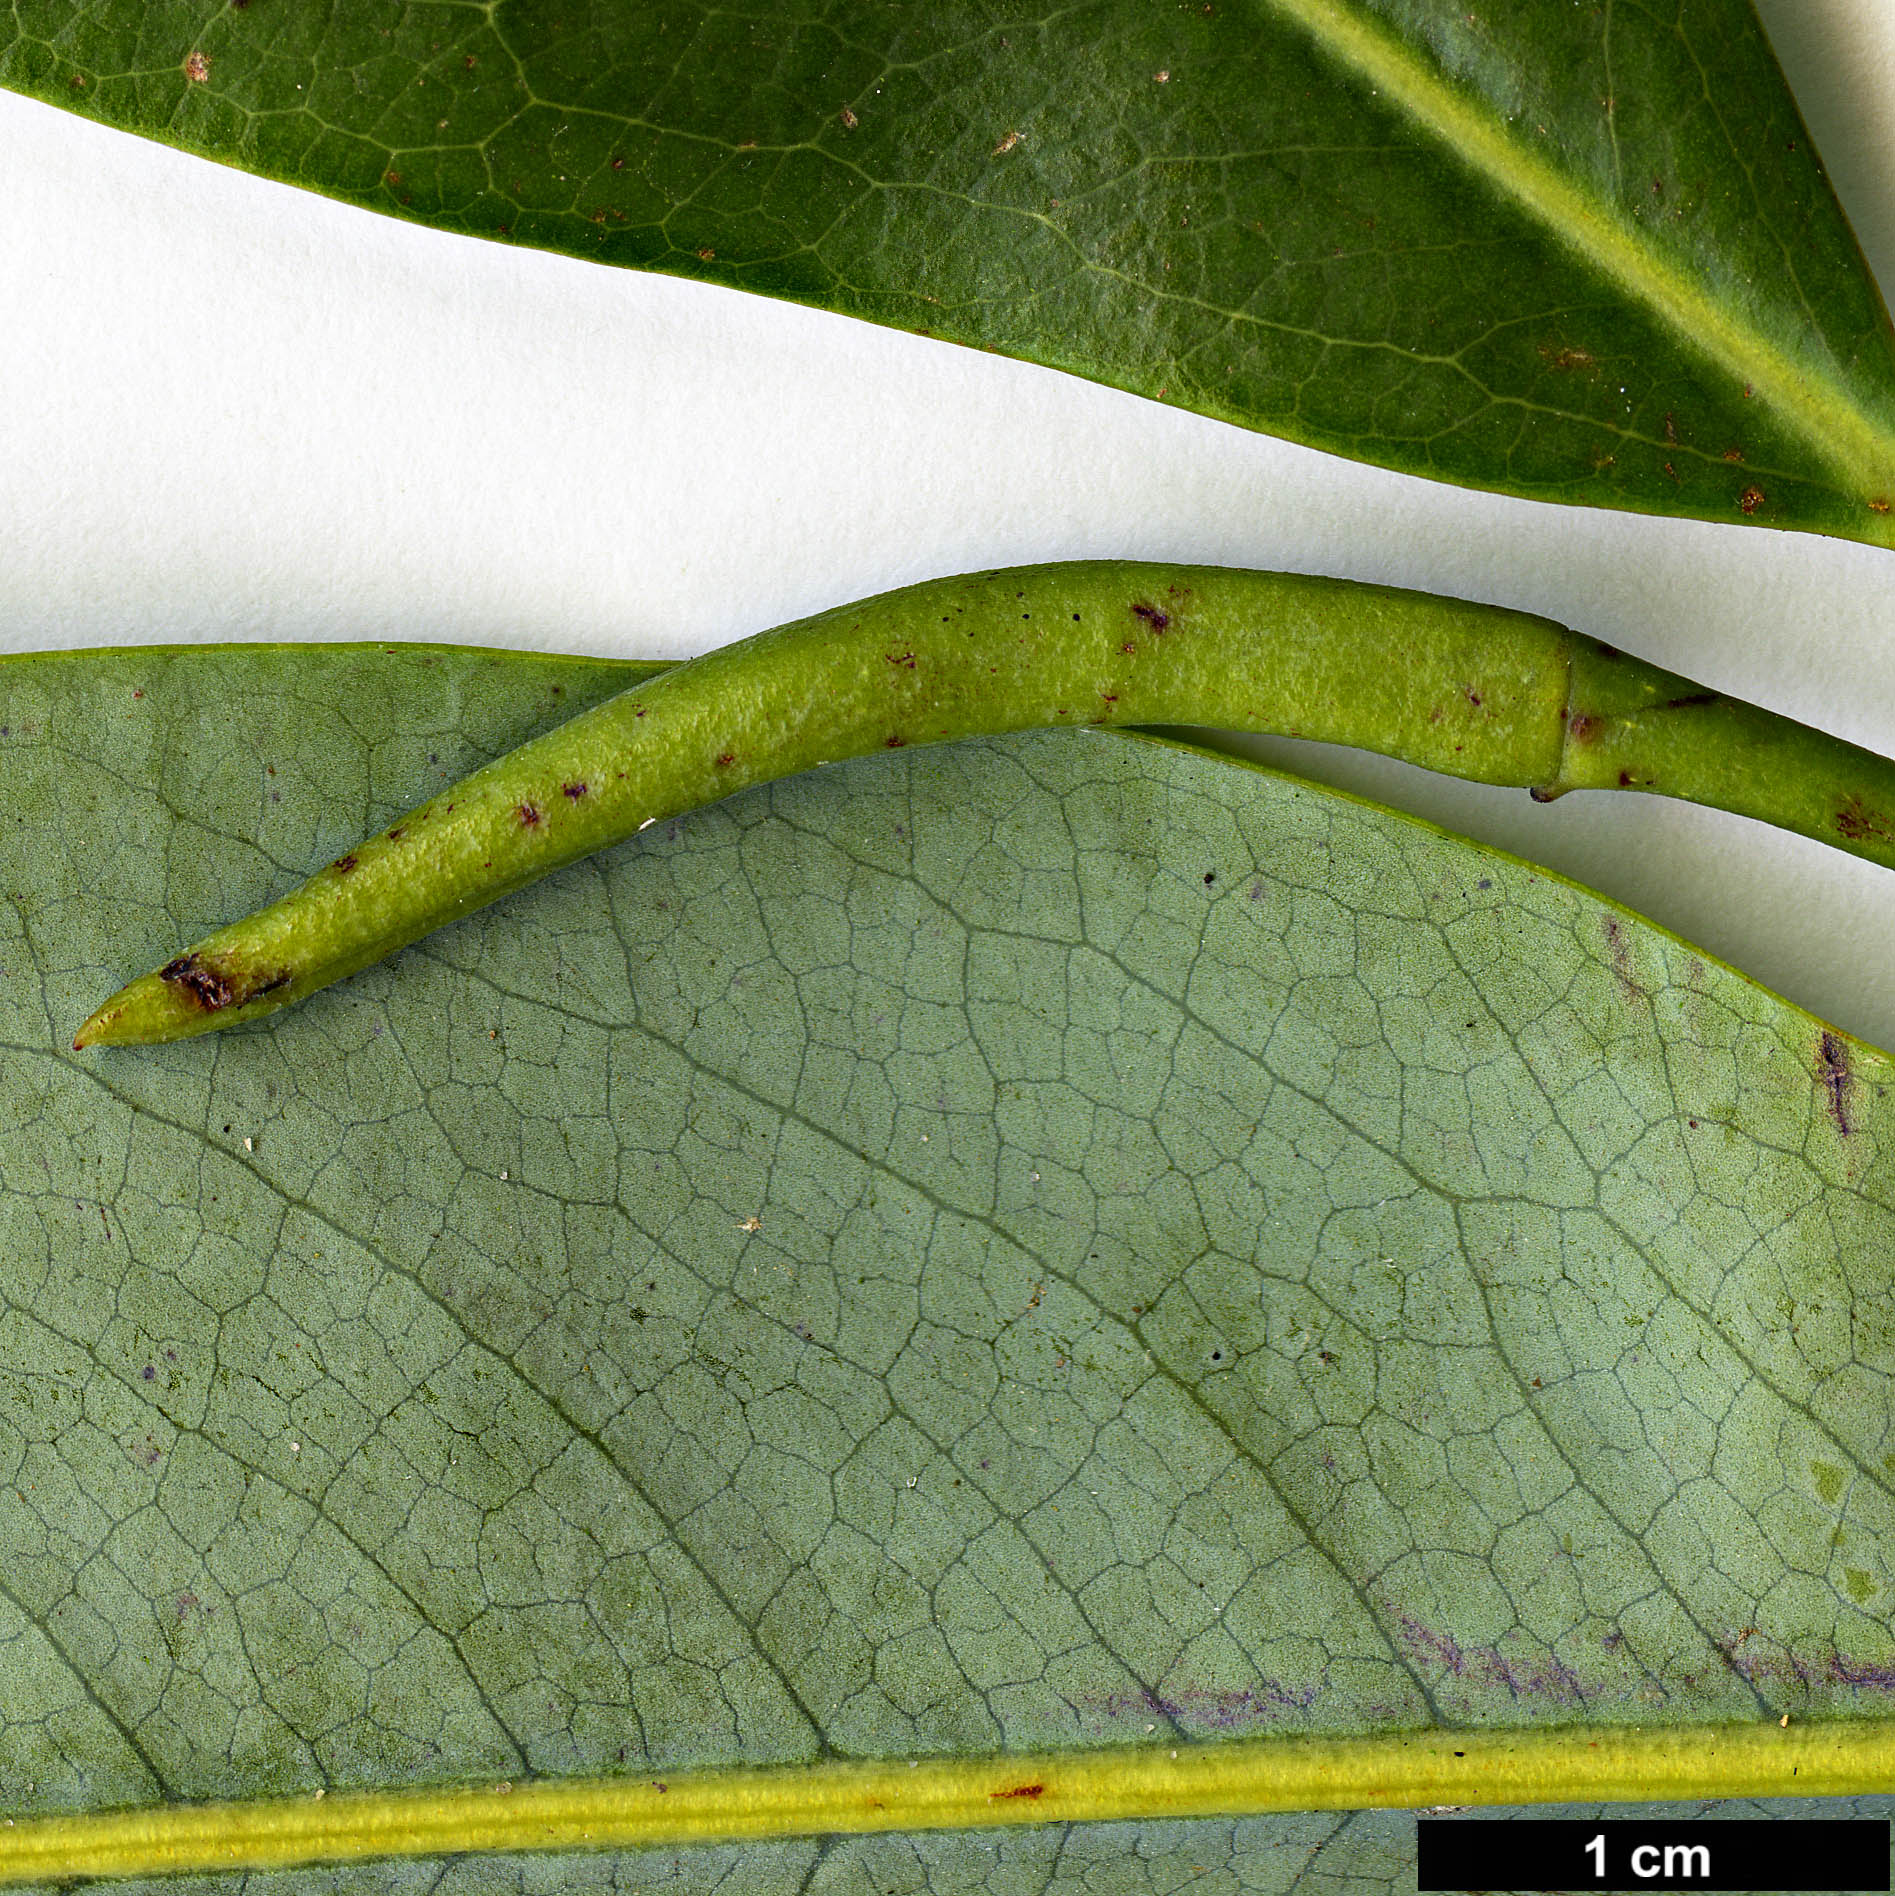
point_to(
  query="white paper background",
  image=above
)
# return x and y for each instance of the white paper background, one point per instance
(236, 411)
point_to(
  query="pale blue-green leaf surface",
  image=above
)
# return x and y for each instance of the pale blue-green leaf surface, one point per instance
(1021, 1244)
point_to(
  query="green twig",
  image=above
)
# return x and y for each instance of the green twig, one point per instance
(1475, 691)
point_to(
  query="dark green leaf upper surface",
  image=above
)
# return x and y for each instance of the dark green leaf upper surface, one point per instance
(1582, 252)
(1023, 1244)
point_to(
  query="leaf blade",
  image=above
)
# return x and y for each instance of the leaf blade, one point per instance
(1620, 268)
(439, 1472)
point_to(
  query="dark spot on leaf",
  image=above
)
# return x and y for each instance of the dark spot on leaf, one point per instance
(1153, 617)
(1622, 959)
(395, 835)
(1583, 727)
(1471, 695)
(1022, 1790)
(895, 743)
(901, 658)
(1751, 499)
(529, 814)
(1210, 876)
(1733, 454)
(728, 758)
(1689, 699)
(1832, 1070)
(1860, 824)
(574, 791)
(343, 864)
(1625, 780)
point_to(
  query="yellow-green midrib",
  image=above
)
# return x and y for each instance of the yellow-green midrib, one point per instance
(1604, 1764)
(1859, 450)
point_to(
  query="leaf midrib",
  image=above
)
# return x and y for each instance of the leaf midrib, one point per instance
(1819, 408)
(1400, 1769)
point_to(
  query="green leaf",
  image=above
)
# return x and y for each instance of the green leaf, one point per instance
(1048, 1243)
(1578, 253)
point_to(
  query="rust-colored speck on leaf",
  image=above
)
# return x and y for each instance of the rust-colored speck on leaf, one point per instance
(1878, 505)
(1733, 454)
(529, 814)
(895, 743)
(1621, 953)
(574, 791)
(1021, 1790)
(1860, 824)
(1583, 727)
(1152, 616)
(343, 864)
(1567, 358)
(1751, 499)
(849, 119)
(1008, 143)
(197, 68)
(1832, 1071)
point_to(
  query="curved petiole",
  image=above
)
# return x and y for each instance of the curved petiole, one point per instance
(1471, 690)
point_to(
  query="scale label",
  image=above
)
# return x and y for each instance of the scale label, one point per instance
(1551, 1854)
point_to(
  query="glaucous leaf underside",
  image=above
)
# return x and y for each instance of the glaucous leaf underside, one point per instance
(1582, 253)
(1029, 1243)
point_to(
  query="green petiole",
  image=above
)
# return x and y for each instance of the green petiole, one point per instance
(1475, 691)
